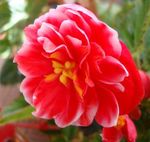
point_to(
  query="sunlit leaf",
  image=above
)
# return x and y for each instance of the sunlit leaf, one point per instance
(18, 115)
(4, 13)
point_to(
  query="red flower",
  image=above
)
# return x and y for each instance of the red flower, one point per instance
(135, 114)
(7, 132)
(146, 83)
(77, 69)
(125, 128)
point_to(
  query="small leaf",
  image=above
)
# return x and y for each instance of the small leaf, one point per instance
(18, 115)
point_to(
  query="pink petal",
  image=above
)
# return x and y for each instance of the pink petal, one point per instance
(28, 87)
(112, 70)
(72, 112)
(108, 111)
(50, 99)
(90, 108)
(31, 33)
(146, 83)
(69, 27)
(135, 114)
(48, 45)
(106, 37)
(56, 17)
(30, 61)
(111, 134)
(43, 18)
(78, 8)
(116, 87)
(75, 16)
(134, 91)
(49, 31)
(88, 79)
(130, 132)
(79, 52)
(54, 100)
(76, 40)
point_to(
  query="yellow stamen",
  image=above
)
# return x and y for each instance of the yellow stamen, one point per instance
(55, 55)
(68, 74)
(69, 65)
(79, 90)
(50, 77)
(64, 72)
(63, 79)
(57, 70)
(56, 64)
(121, 122)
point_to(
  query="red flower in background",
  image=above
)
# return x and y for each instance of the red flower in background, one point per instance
(76, 69)
(125, 129)
(135, 114)
(7, 133)
(146, 83)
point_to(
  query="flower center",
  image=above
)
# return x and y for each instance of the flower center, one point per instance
(121, 122)
(65, 71)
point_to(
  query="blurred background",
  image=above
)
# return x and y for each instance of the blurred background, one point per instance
(131, 18)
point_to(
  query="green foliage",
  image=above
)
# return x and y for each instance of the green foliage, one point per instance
(17, 111)
(18, 115)
(34, 8)
(18, 103)
(9, 73)
(69, 133)
(4, 13)
(4, 44)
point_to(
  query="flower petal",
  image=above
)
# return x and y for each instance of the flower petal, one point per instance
(56, 17)
(106, 37)
(76, 40)
(75, 16)
(129, 130)
(111, 134)
(50, 98)
(72, 112)
(79, 9)
(108, 111)
(112, 70)
(28, 87)
(31, 33)
(90, 108)
(31, 62)
(146, 83)
(134, 90)
(60, 103)
(69, 27)
(50, 31)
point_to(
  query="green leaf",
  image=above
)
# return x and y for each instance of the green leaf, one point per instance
(17, 104)
(69, 133)
(4, 13)
(18, 115)
(9, 73)
(34, 8)
(4, 44)
(142, 9)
